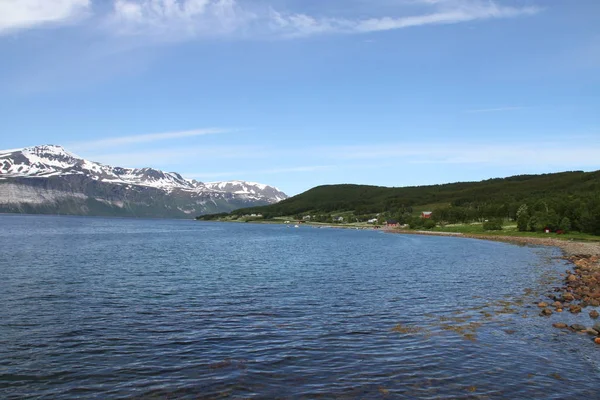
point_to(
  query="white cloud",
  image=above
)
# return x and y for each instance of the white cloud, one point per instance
(172, 20)
(23, 14)
(178, 20)
(475, 11)
(444, 12)
(168, 20)
(153, 137)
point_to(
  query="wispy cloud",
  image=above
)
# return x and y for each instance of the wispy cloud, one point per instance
(558, 153)
(178, 20)
(173, 20)
(497, 109)
(152, 137)
(269, 171)
(443, 12)
(175, 156)
(22, 14)
(194, 18)
(561, 154)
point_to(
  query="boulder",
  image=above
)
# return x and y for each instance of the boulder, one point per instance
(542, 305)
(575, 309)
(568, 297)
(578, 327)
(594, 314)
(546, 311)
(559, 325)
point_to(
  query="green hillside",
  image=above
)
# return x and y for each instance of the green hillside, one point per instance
(567, 201)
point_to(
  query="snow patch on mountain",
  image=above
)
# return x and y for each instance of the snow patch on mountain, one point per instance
(248, 189)
(51, 161)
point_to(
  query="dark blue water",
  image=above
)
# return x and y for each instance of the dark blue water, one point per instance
(123, 308)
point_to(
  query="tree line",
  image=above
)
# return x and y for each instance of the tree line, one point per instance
(567, 201)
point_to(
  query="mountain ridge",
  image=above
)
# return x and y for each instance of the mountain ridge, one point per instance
(45, 178)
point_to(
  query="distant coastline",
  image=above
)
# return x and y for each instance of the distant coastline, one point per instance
(586, 245)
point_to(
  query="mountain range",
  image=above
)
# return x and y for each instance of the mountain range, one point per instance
(51, 180)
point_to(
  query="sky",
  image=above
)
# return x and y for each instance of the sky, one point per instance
(300, 93)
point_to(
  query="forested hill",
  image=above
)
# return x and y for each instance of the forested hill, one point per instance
(574, 195)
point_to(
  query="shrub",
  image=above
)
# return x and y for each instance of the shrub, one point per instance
(429, 224)
(492, 225)
(415, 223)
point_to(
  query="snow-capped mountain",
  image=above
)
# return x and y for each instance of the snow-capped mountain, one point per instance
(51, 179)
(248, 189)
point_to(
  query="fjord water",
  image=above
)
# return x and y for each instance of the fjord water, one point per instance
(126, 308)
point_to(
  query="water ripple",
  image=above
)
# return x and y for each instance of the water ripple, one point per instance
(113, 308)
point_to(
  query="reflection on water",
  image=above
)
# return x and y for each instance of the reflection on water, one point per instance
(118, 308)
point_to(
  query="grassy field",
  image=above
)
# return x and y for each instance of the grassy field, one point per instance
(511, 230)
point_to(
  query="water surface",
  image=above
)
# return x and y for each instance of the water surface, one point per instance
(122, 308)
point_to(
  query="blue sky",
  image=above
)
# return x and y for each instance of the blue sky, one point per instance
(302, 93)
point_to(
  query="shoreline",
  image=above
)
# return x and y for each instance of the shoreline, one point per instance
(580, 287)
(569, 247)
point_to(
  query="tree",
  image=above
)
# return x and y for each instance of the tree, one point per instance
(565, 224)
(537, 222)
(523, 218)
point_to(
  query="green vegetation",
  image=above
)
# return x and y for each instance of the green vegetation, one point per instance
(510, 230)
(562, 202)
(213, 217)
(493, 225)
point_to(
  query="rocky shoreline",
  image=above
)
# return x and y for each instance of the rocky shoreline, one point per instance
(580, 288)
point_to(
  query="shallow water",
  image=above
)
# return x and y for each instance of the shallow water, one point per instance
(124, 308)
